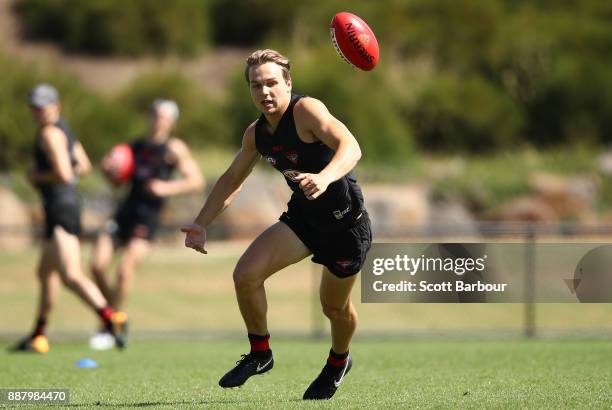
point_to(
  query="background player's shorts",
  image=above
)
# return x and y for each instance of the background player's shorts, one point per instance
(64, 212)
(343, 252)
(133, 221)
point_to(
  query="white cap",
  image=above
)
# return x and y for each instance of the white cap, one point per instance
(170, 106)
(42, 95)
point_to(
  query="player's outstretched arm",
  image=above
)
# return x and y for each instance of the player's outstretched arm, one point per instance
(224, 190)
(315, 121)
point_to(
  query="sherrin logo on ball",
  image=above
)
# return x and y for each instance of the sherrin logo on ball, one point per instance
(354, 41)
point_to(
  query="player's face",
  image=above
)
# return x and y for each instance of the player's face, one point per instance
(162, 122)
(270, 91)
(46, 115)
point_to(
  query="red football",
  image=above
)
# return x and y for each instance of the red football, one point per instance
(354, 41)
(121, 160)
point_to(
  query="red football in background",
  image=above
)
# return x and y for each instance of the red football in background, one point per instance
(121, 162)
(354, 41)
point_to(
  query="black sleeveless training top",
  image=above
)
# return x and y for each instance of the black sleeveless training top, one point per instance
(151, 161)
(55, 190)
(340, 206)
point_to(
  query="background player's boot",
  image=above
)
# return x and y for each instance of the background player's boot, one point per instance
(249, 365)
(326, 384)
(37, 344)
(118, 327)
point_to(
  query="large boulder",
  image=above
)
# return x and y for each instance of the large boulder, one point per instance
(451, 217)
(396, 209)
(554, 198)
(528, 208)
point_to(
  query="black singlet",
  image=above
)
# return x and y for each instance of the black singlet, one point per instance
(151, 161)
(56, 190)
(340, 205)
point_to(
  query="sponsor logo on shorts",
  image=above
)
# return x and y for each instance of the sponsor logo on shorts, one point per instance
(344, 263)
(271, 160)
(339, 214)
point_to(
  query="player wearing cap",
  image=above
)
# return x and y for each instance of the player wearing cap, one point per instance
(136, 220)
(325, 217)
(59, 159)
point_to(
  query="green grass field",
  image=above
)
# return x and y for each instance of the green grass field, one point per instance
(178, 290)
(386, 374)
(178, 293)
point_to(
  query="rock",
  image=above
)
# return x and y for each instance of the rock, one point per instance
(395, 209)
(258, 205)
(525, 208)
(451, 217)
(555, 198)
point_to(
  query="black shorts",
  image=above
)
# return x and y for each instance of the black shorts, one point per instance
(133, 221)
(343, 252)
(64, 212)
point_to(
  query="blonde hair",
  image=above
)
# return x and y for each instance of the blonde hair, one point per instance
(268, 56)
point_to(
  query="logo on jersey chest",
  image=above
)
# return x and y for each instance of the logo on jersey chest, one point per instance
(148, 162)
(149, 157)
(289, 153)
(292, 155)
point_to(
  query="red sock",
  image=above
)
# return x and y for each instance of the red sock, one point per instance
(106, 313)
(259, 343)
(337, 359)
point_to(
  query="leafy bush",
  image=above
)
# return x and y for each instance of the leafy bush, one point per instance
(247, 22)
(118, 27)
(465, 114)
(550, 60)
(498, 72)
(201, 118)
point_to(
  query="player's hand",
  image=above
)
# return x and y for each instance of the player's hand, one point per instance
(107, 164)
(313, 185)
(109, 168)
(195, 237)
(158, 187)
